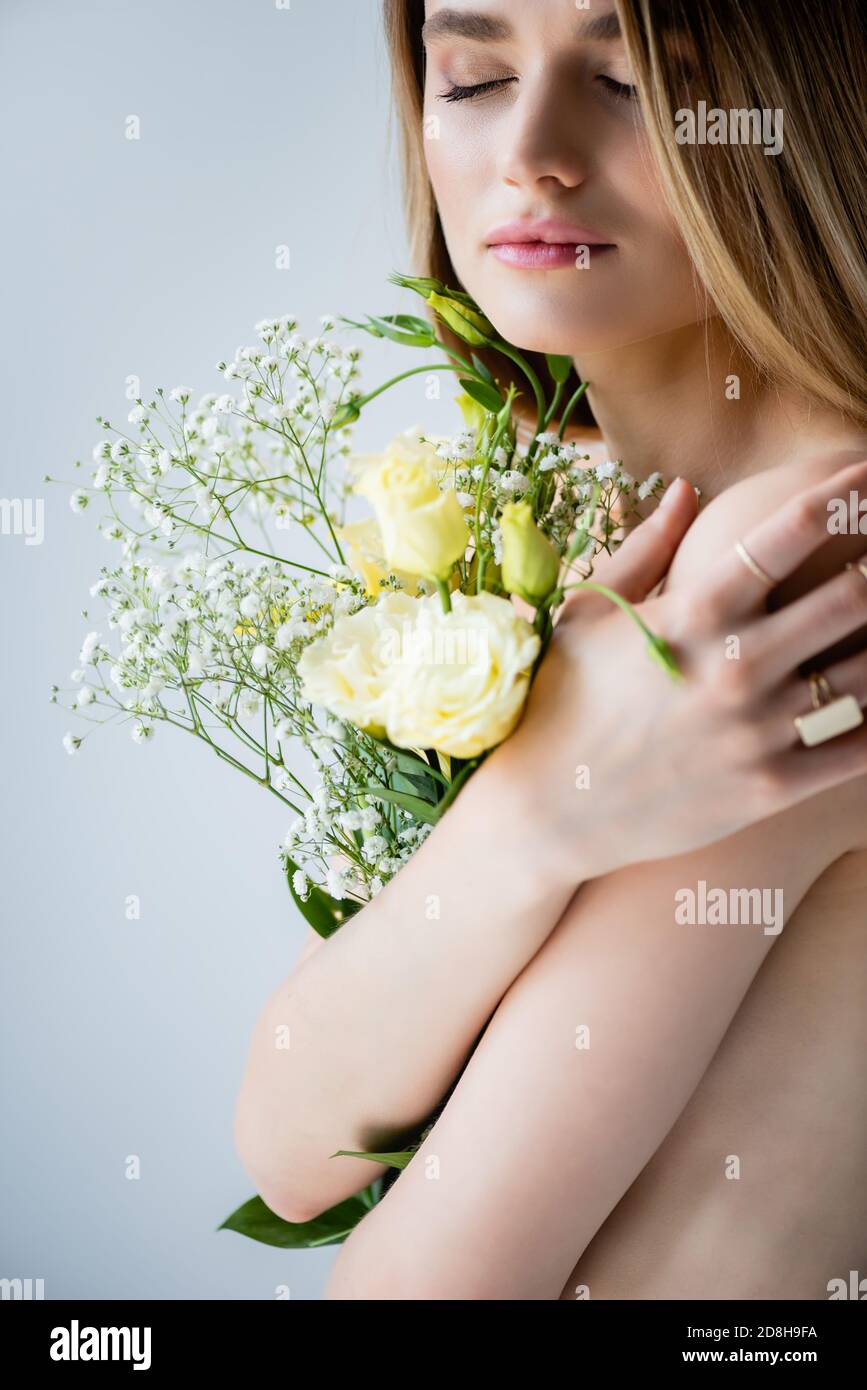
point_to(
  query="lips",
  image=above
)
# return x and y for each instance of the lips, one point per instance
(545, 244)
(547, 231)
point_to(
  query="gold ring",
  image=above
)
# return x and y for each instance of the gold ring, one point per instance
(753, 566)
(829, 716)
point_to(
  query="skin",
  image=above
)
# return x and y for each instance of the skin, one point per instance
(519, 954)
(556, 141)
(553, 142)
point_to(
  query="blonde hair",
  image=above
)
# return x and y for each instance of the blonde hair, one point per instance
(777, 241)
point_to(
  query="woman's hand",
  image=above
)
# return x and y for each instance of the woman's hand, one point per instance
(612, 748)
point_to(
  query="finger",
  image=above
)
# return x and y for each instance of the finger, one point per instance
(846, 677)
(833, 610)
(804, 772)
(779, 544)
(645, 556)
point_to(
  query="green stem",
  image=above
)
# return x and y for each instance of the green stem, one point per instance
(531, 377)
(552, 409)
(414, 371)
(445, 596)
(570, 406)
(659, 648)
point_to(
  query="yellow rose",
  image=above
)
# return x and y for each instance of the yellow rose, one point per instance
(423, 528)
(348, 668)
(409, 444)
(365, 554)
(460, 679)
(531, 563)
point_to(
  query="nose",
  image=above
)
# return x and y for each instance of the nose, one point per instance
(545, 142)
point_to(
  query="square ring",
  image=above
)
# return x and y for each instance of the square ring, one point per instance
(838, 717)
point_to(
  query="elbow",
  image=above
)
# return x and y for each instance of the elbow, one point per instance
(288, 1204)
(274, 1179)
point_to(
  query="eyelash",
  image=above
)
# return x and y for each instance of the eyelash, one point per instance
(457, 93)
(620, 90)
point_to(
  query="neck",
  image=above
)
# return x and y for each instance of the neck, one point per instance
(689, 402)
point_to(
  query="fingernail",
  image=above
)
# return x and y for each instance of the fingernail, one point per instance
(667, 495)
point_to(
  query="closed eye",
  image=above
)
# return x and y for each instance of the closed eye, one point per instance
(622, 90)
(457, 93)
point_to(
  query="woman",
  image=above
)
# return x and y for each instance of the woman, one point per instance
(659, 1105)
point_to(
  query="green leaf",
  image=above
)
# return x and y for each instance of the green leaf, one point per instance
(483, 371)
(422, 810)
(322, 912)
(411, 782)
(457, 782)
(353, 323)
(559, 367)
(487, 396)
(331, 1227)
(423, 337)
(397, 1160)
(409, 323)
(413, 765)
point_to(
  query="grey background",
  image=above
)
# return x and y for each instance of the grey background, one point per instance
(259, 126)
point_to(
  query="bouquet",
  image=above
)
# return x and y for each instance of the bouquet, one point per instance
(387, 651)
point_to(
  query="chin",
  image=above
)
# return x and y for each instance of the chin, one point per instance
(567, 330)
(545, 311)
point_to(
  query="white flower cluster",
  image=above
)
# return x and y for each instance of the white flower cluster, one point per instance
(198, 467)
(362, 845)
(559, 466)
(208, 635)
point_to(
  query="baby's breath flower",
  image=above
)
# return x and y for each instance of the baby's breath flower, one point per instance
(647, 487)
(604, 471)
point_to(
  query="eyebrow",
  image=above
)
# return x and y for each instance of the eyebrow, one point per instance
(473, 24)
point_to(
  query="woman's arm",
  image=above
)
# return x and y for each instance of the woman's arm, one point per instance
(586, 1065)
(758, 1189)
(381, 1017)
(383, 1014)
(359, 1045)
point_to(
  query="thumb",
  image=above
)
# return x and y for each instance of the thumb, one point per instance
(644, 558)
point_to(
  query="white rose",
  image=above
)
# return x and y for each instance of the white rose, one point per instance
(347, 670)
(461, 681)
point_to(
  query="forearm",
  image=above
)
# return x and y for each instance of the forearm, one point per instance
(365, 1037)
(590, 1057)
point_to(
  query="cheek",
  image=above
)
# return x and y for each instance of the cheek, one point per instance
(636, 186)
(457, 161)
